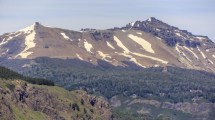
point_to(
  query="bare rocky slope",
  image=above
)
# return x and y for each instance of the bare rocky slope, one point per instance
(145, 43)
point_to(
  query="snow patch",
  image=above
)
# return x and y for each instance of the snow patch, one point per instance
(145, 44)
(109, 45)
(139, 33)
(180, 52)
(156, 65)
(131, 24)
(177, 48)
(158, 38)
(157, 29)
(191, 52)
(88, 46)
(120, 44)
(29, 42)
(203, 55)
(79, 57)
(213, 56)
(65, 36)
(135, 61)
(149, 19)
(104, 56)
(178, 34)
(4, 41)
(123, 31)
(132, 59)
(28, 29)
(207, 50)
(186, 56)
(126, 54)
(211, 61)
(200, 38)
(150, 57)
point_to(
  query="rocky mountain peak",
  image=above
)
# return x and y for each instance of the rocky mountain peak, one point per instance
(152, 19)
(32, 27)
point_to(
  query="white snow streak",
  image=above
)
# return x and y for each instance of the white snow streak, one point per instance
(104, 56)
(65, 36)
(150, 57)
(120, 44)
(191, 52)
(126, 53)
(180, 52)
(177, 48)
(200, 38)
(135, 61)
(178, 34)
(109, 45)
(203, 55)
(4, 41)
(79, 57)
(132, 59)
(186, 56)
(145, 44)
(211, 61)
(159, 38)
(29, 42)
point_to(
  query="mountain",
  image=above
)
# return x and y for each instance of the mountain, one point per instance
(149, 43)
(21, 100)
(144, 70)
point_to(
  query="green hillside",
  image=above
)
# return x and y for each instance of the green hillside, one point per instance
(21, 100)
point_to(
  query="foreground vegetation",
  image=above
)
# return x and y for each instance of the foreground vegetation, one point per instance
(21, 100)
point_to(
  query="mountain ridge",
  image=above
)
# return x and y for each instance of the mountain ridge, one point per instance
(146, 43)
(142, 68)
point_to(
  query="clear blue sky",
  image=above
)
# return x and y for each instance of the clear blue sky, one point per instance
(196, 16)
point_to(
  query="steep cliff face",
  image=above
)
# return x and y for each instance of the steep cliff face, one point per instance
(24, 101)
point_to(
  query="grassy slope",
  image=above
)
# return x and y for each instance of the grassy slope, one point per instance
(22, 111)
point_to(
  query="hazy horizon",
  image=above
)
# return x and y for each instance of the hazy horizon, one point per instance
(196, 16)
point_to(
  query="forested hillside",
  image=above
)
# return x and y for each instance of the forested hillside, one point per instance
(160, 83)
(9, 74)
